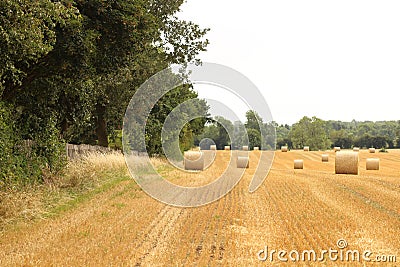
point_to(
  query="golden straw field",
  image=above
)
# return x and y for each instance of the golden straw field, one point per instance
(304, 209)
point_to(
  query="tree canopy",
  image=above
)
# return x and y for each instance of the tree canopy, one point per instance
(68, 69)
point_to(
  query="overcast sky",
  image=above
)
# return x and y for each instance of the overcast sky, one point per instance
(333, 59)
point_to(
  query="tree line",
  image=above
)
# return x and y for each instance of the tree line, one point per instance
(320, 134)
(313, 132)
(69, 68)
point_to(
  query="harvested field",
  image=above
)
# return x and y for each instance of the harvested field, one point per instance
(291, 210)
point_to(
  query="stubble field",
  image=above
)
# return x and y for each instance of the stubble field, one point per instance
(309, 209)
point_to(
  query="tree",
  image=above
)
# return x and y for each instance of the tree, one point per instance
(225, 131)
(219, 130)
(239, 135)
(299, 133)
(253, 120)
(341, 138)
(86, 58)
(28, 34)
(254, 138)
(310, 132)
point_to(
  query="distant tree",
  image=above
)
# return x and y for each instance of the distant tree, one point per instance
(341, 138)
(253, 120)
(225, 129)
(239, 135)
(374, 141)
(284, 142)
(310, 132)
(254, 138)
(269, 140)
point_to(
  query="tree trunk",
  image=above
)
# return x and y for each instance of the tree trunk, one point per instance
(101, 129)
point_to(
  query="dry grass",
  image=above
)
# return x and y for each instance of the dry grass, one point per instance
(34, 201)
(304, 210)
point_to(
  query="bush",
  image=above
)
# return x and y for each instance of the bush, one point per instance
(7, 139)
(30, 160)
(383, 150)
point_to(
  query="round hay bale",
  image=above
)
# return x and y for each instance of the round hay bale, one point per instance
(306, 148)
(242, 162)
(245, 148)
(213, 147)
(346, 162)
(325, 157)
(193, 160)
(256, 148)
(298, 164)
(371, 150)
(336, 148)
(356, 149)
(284, 148)
(372, 164)
(227, 147)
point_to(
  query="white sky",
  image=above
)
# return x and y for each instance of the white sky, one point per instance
(333, 59)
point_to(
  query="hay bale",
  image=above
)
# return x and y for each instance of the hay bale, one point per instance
(325, 157)
(227, 147)
(372, 164)
(242, 162)
(193, 160)
(256, 148)
(298, 164)
(284, 148)
(356, 149)
(371, 150)
(245, 148)
(336, 148)
(306, 148)
(213, 147)
(346, 162)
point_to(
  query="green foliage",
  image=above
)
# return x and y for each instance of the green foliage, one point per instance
(310, 132)
(27, 34)
(7, 139)
(341, 138)
(27, 161)
(254, 138)
(211, 131)
(383, 150)
(83, 60)
(218, 131)
(115, 139)
(344, 134)
(373, 141)
(163, 108)
(253, 120)
(68, 70)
